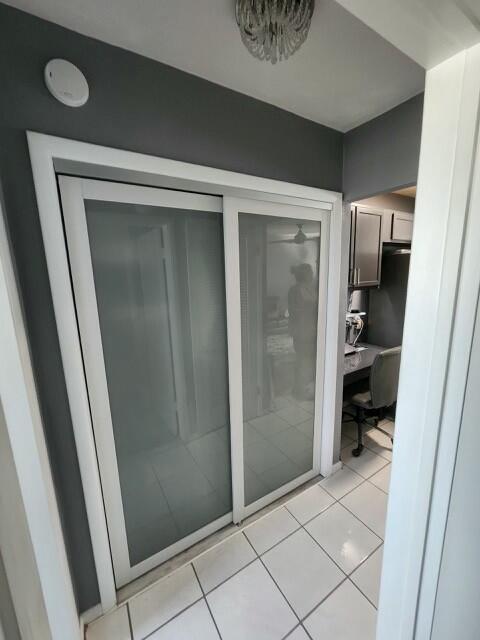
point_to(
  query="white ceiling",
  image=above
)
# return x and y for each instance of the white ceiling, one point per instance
(344, 75)
(429, 31)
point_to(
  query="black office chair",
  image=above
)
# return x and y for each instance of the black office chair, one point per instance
(380, 394)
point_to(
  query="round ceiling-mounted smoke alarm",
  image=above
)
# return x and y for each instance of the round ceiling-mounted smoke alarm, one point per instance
(66, 82)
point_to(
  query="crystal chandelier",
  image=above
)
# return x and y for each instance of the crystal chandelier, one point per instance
(274, 29)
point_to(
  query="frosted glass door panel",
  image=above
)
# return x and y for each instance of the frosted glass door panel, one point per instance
(279, 269)
(159, 283)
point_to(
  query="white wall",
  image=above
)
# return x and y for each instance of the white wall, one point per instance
(17, 550)
(31, 540)
(440, 315)
(457, 611)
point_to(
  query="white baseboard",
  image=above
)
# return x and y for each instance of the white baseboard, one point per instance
(90, 615)
(336, 467)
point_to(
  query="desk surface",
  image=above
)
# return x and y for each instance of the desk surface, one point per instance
(357, 365)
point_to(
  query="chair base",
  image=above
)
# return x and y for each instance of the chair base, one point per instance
(361, 418)
(358, 450)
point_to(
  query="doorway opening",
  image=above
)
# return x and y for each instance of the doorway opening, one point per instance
(380, 247)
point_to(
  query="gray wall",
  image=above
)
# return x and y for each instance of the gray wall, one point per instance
(457, 614)
(382, 155)
(390, 201)
(386, 311)
(140, 105)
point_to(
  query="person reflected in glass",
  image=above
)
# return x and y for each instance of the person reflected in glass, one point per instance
(302, 311)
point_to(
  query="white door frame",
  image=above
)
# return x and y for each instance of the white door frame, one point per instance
(440, 315)
(232, 207)
(31, 536)
(50, 155)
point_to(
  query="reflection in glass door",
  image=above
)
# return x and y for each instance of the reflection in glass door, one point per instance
(279, 263)
(148, 274)
(282, 271)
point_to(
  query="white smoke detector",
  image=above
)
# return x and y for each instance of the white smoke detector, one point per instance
(66, 82)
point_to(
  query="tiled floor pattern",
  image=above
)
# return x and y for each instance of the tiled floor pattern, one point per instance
(308, 570)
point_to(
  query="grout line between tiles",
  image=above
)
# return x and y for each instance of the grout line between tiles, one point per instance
(379, 454)
(336, 563)
(307, 633)
(276, 543)
(363, 594)
(207, 593)
(206, 602)
(367, 558)
(323, 599)
(149, 635)
(274, 581)
(362, 480)
(384, 460)
(257, 555)
(360, 565)
(369, 528)
(303, 526)
(299, 626)
(319, 545)
(380, 489)
(129, 621)
(320, 512)
(289, 633)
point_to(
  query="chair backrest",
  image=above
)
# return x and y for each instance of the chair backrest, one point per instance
(384, 377)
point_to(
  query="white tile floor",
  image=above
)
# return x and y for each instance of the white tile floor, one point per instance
(308, 570)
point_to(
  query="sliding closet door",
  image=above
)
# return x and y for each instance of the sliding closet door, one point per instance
(277, 280)
(148, 275)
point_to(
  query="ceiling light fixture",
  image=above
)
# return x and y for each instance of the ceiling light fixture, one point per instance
(274, 29)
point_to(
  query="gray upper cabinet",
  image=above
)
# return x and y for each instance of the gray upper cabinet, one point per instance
(402, 226)
(365, 246)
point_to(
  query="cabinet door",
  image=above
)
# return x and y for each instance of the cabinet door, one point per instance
(402, 226)
(367, 247)
(387, 224)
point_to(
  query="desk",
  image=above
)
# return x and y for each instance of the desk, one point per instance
(357, 365)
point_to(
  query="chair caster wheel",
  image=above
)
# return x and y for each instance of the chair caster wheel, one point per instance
(356, 452)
